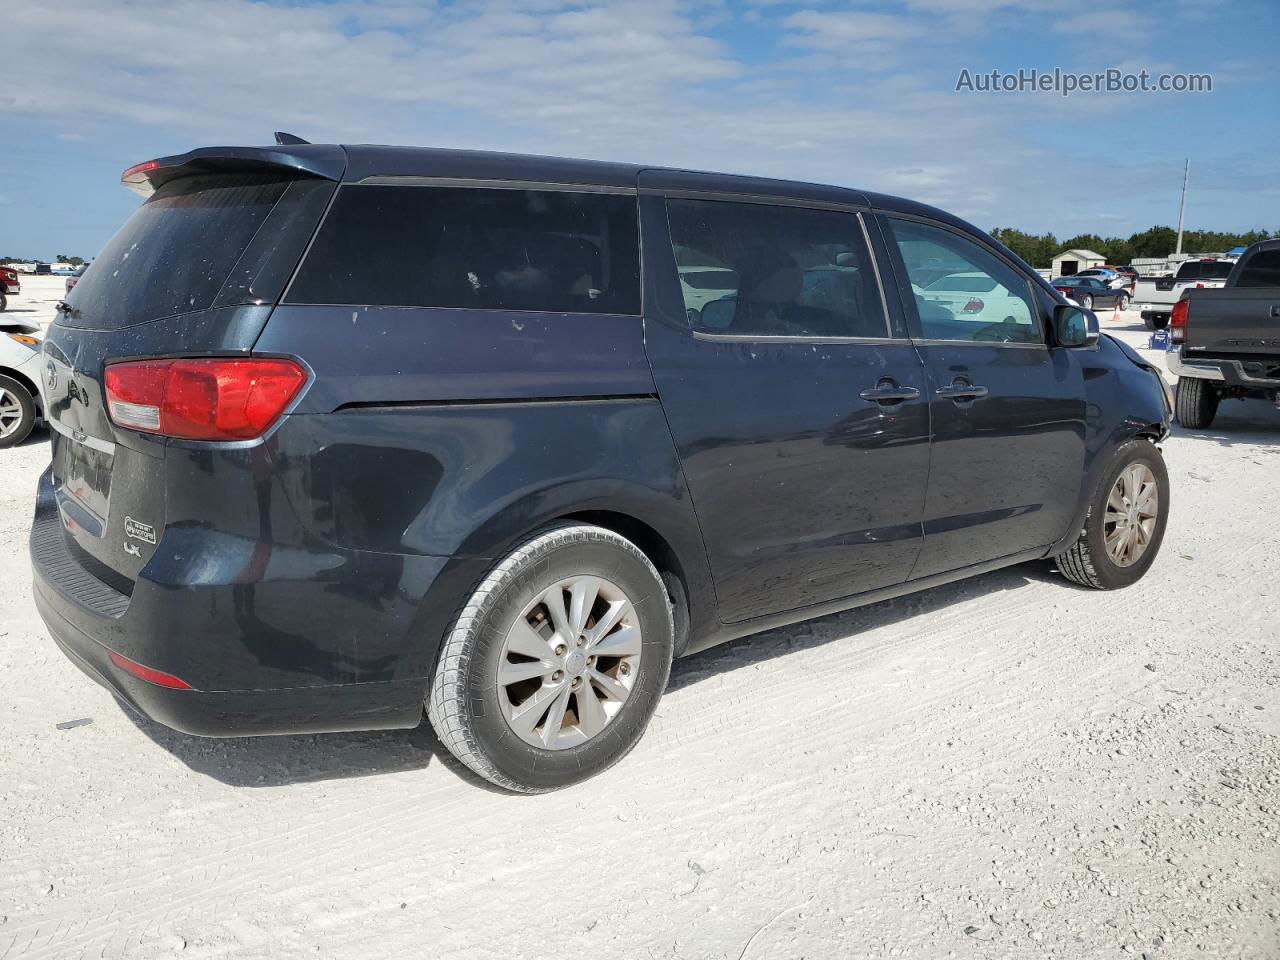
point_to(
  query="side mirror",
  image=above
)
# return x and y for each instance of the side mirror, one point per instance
(718, 314)
(1074, 326)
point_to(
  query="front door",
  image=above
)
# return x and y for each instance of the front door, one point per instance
(1008, 410)
(799, 410)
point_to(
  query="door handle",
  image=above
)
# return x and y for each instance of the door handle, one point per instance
(888, 392)
(960, 391)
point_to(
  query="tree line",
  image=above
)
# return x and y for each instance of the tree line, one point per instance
(62, 258)
(1040, 249)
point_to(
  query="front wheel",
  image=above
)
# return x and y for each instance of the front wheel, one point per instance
(1125, 524)
(554, 667)
(4, 302)
(1196, 403)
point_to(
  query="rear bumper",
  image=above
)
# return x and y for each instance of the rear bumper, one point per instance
(266, 657)
(236, 713)
(1148, 308)
(1230, 373)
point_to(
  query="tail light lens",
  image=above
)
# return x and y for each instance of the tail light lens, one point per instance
(973, 306)
(212, 398)
(1178, 321)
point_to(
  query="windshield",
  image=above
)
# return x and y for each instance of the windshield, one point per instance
(1205, 270)
(176, 251)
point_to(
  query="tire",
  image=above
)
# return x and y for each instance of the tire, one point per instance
(1123, 303)
(470, 709)
(1196, 403)
(4, 302)
(1088, 561)
(1147, 321)
(1087, 301)
(1159, 321)
(17, 412)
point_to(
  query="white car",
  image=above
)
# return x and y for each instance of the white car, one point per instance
(21, 404)
(976, 297)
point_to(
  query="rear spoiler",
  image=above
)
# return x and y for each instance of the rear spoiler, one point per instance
(324, 160)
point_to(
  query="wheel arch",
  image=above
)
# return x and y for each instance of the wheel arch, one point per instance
(28, 384)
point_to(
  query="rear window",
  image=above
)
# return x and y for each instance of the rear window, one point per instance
(1260, 270)
(1205, 270)
(497, 249)
(176, 251)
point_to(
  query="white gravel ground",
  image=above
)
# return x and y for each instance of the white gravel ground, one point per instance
(1007, 767)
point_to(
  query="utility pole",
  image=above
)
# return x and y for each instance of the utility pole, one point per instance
(1186, 172)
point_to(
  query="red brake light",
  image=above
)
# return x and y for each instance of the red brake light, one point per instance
(1178, 321)
(138, 172)
(158, 677)
(973, 306)
(212, 398)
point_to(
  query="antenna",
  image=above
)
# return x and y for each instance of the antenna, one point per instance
(1186, 173)
(288, 139)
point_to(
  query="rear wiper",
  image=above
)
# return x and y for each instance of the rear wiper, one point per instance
(63, 307)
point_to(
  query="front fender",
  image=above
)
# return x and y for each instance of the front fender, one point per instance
(1123, 399)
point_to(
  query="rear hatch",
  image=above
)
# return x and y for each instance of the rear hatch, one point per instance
(195, 271)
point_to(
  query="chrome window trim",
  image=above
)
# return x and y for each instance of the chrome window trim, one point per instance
(766, 339)
(93, 443)
(476, 183)
(936, 342)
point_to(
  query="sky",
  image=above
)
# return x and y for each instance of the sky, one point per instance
(861, 94)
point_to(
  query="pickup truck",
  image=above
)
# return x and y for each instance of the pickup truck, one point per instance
(1226, 342)
(1155, 297)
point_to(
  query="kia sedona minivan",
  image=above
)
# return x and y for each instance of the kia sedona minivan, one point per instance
(343, 432)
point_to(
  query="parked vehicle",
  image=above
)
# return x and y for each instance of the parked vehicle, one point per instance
(9, 286)
(311, 492)
(1108, 276)
(21, 406)
(1113, 276)
(1226, 342)
(1155, 297)
(1090, 292)
(76, 275)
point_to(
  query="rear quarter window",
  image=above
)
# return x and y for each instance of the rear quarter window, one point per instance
(173, 255)
(499, 249)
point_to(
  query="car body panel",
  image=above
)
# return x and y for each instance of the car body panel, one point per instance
(305, 580)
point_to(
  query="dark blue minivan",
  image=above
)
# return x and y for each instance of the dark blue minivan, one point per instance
(343, 431)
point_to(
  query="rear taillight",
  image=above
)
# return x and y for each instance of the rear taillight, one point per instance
(973, 306)
(209, 398)
(1178, 321)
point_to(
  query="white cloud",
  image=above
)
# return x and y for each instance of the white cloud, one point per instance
(640, 80)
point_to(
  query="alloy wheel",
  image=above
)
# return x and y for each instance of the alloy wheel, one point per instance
(1133, 507)
(10, 413)
(569, 662)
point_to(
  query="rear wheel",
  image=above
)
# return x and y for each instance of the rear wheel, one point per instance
(1123, 303)
(1159, 321)
(1125, 524)
(1196, 403)
(1087, 301)
(554, 667)
(17, 412)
